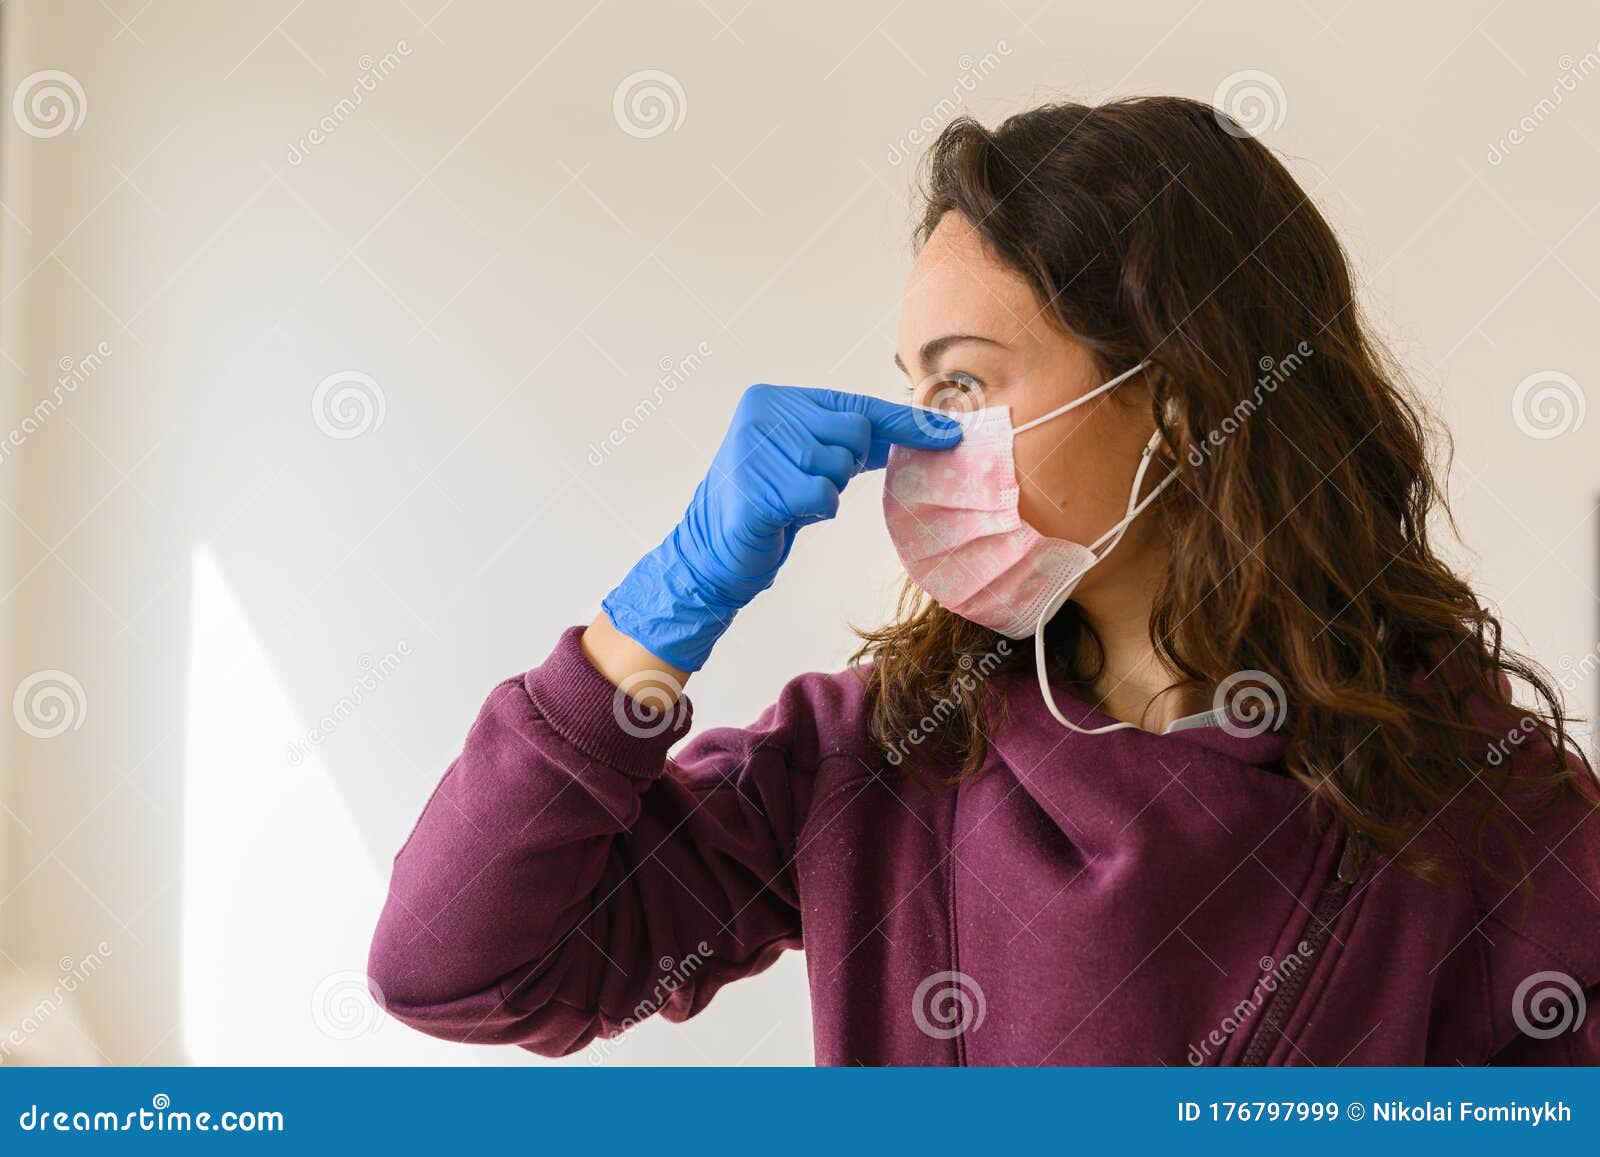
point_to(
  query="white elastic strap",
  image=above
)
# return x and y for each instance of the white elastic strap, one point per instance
(1050, 700)
(1076, 402)
(1136, 506)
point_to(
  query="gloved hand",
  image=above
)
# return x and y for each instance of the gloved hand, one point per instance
(781, 466)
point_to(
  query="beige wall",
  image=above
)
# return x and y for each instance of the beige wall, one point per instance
(484, 241)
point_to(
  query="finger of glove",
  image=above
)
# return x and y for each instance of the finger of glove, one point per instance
(810, 497)
(834, 463)
(805, 438)
(840, 445)
(894, 424)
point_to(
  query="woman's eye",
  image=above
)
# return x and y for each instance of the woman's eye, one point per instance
(951, 391)
(956, 377)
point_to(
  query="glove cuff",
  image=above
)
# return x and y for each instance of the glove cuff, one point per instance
(661, 606)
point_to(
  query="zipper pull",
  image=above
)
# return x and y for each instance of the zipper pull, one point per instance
(1348, 861)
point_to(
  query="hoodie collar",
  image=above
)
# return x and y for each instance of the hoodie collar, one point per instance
(1032, 734)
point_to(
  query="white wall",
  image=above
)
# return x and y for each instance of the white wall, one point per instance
(510, 267)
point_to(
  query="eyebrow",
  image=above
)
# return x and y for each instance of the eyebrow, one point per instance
(931, 350)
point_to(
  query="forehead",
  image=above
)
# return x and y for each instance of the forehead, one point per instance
(959, 285)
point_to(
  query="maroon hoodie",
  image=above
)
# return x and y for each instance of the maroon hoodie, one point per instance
(1128, 898)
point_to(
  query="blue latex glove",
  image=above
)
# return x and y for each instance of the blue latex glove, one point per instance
(781, 466)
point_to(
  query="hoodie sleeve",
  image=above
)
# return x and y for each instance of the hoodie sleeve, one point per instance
(566, 879)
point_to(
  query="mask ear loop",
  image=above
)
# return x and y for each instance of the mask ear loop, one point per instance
(1076, 402)
(1136, 506)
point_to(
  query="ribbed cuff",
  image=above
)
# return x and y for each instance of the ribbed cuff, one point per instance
(599, 719)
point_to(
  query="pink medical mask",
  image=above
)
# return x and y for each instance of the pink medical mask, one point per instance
(953, 518)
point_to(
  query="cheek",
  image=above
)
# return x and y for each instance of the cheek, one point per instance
(1068, 487)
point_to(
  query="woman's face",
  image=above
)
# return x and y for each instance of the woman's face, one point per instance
(967, 314)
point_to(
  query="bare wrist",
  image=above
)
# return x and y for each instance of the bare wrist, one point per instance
(628, 665)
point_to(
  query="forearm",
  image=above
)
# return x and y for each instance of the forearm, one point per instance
(627, 665)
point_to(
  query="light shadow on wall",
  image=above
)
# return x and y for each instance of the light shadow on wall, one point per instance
(279, 896)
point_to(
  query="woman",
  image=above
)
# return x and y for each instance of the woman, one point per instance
(1185, 748)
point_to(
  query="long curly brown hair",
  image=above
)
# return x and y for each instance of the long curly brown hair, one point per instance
(1158, 230)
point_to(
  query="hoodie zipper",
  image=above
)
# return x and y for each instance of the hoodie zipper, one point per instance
(951, 915)
(1280, 1008)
